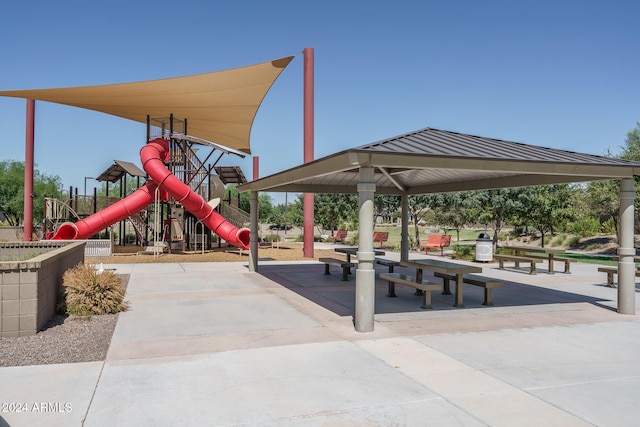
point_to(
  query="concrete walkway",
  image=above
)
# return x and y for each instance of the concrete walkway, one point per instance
(212, 344)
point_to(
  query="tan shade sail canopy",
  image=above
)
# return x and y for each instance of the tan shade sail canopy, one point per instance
(219, 106)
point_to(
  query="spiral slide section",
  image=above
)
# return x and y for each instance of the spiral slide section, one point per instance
(152, 156)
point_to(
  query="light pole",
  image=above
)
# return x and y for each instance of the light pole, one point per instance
(85, 184)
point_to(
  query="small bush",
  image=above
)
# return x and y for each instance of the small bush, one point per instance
(572, 240)
(586, 228)
(608, 227)
(558, 240)
(464, 252)
(87, 292)
(272, 238)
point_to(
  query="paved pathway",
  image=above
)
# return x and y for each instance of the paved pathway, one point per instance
(215, 345)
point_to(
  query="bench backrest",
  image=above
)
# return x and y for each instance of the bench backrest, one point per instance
(440, 240)
(434, 239)
(341, 234)
(380, 236)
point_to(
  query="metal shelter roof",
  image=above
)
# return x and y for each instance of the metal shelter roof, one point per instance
(118, 169)
(438, 161)
(230, 174)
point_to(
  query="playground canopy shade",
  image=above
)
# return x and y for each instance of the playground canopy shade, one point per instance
(219, 106)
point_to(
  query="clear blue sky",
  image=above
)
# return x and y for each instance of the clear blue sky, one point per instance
(561, 74)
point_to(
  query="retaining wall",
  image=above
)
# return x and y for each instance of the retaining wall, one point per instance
(29, 288)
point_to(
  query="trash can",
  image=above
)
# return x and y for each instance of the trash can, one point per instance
(484, 248)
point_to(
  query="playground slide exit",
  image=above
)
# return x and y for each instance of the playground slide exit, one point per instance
(152, 156)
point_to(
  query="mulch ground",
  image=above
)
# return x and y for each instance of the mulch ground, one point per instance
(284, 252)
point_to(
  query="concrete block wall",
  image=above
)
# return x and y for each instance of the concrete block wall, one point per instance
(29, 289)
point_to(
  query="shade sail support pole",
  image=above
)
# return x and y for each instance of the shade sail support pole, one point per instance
(253, 217)
(307, 203)
(28, 170)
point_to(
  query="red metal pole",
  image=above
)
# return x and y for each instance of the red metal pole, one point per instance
(307, 203)
(256, 165)
(28, 171)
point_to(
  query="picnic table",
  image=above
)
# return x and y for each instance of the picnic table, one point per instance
(444, 267)
(354, 251)
(526, 251)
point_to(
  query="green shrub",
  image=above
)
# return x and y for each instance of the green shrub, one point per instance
(272, 238)
(87, 292)
(586, 228)
(572, 240)
(558, 240)
(464, 252)
(608, 227)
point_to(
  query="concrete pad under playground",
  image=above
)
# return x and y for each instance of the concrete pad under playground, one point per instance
(213, 344)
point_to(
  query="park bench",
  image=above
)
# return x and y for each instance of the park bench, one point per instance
(440, 241)
(488, 283)
(345, 265)
(566, 261)
(380, 237)
(340, 236)
(501, 258)
(425, 286)
(611, 271)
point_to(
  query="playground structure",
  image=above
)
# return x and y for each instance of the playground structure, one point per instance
(172, 204)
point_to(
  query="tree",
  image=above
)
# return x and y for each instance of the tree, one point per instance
(451, 210)
(550, 210)
(385, 206)
(493, 207)
(417, 205)
(631, 149)
(265, 205)
(331, 209)
(12, 191)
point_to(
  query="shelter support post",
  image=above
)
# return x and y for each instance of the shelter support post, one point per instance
(253, 245)
(626, 251)
(28, 171)
(404, 233)
(365, 274)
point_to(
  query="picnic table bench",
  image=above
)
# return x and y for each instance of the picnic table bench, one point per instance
(501, 258)
(549, 255)
(340, 236)
(422, 285)
(566, 261)
(437, 241)
(380, 237)
(488, 283)
(611, 271)
(344, 264)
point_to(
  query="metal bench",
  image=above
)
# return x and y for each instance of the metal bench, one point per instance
(380, 237)
(425, 286)
(345, 265)
(437, 241)
(501, 258)
(340, 236)
(488, 283)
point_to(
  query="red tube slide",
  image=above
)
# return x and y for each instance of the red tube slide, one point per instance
(120, 210)
(153, 155)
